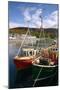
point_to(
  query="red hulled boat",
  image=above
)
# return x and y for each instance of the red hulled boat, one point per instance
(23, 62)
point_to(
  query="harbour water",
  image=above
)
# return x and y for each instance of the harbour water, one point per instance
(24, 78)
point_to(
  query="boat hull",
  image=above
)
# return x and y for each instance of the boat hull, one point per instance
(45, 76)
(43, 72)
(23, 64)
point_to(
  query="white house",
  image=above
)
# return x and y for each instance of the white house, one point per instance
(28, 39)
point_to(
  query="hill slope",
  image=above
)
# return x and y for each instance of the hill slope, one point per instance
(34, 31)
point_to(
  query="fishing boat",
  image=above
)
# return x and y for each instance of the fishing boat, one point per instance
(46, 64)
(25, 54)
(25, 59)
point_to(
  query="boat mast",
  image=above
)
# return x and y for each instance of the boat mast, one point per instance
(42, 34)
(29, 33)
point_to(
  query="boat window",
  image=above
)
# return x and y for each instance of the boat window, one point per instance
(53, 49)
(56, 49)
(23, 53)
(30, 53)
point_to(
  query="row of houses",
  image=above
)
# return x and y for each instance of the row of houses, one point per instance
(29, 39)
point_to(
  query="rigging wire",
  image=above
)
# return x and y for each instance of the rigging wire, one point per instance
(22, 43)
(41, 32)
(37, 77)
(28, 31)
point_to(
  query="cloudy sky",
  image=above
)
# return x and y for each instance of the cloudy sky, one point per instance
(28, 15)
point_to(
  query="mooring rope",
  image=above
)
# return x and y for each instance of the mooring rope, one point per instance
(37, 77)
(46, 77)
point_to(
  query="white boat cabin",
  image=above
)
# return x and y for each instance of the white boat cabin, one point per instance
(29, 52)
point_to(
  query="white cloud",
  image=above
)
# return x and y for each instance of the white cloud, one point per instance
(27, 16)
(33, 16)
(51, 21)
(27, 13)
(36, 17)
(37, 14)
(13, 25)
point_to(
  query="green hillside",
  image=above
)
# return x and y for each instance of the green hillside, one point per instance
(50, 32)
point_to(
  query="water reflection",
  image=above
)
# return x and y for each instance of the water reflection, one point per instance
(24, 78)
